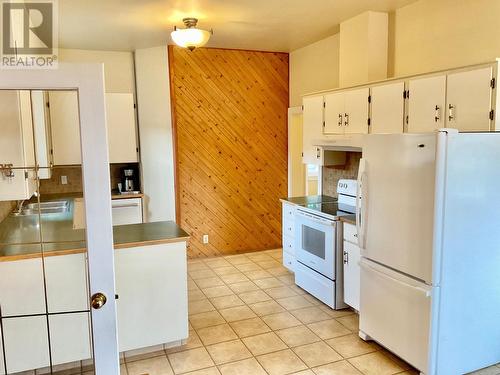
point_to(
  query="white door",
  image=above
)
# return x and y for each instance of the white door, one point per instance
(67, 314)
(356, 111)
(387, 108)
(468, 100)
(397, 188)
(426, 104)
(64, 119)
(312, 129)
(351, 274)
(334, 113)
(122, 138)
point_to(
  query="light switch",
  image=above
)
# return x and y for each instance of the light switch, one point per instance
(64, 180)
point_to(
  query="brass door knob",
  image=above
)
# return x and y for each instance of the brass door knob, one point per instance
(98, 300)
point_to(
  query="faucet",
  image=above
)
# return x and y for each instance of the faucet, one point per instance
(19, 207)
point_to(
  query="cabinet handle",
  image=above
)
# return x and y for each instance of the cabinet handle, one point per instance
(318, 153)
(437, 114)
(340, 120)
(346, 119)
(346, 257)
(451, 112)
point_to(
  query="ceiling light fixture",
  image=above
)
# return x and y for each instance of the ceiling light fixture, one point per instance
(190, 37)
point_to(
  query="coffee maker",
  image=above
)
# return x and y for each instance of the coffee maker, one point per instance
(129, 180)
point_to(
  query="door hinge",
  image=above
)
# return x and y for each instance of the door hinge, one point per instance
(369, 98)
(302, 106)
(302, 154)
(48, 104)
(369, 121)
(492, 114)
(493, 83)
(26, 175)
(137, 149)
(324, 104)
(323, 124)
(404, 94)
(135, 105)
(407, 94)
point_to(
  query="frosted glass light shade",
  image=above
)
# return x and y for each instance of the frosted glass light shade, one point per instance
(190, 38)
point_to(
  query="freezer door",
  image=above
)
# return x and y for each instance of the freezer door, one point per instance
(395, 311)
(397, 179)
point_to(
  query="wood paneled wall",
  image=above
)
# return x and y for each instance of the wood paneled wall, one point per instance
(230, 129)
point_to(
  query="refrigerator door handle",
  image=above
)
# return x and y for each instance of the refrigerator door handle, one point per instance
(427, 293)
(361, 194)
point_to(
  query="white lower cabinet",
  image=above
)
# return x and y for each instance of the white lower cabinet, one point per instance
(26, 343)
(352, 255)
(70, 337)
(288, 240)
(151, 283)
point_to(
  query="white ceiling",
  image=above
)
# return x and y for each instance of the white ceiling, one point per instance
(268, 25)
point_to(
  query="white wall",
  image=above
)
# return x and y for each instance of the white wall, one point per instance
(118, 66)
(155, 128)
(314, 68)
(440, 34)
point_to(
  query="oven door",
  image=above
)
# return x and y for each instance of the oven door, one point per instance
(315, 243)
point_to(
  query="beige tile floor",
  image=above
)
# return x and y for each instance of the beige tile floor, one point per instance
(247, 317)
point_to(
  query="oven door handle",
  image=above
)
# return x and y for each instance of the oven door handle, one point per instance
(315, 219)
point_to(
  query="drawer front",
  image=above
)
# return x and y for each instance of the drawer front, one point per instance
(289, 227)
(289, 261)
(288, 212)
(350, 233)
(317, 285)
(395, 311)
(289, 245)
(126, 211)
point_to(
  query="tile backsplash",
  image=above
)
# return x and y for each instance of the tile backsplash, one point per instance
(74, 175)
(332, 175)
(6, 208)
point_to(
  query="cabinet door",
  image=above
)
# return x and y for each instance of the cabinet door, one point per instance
(334, 113)
(387, 108)
(122, 136)
(312, 129)
(356, 111)
(43, 137)
(25, 343)
(351, 275)
(69, 337)
(66, 280)
(65, 124)
(126, 211)
(426, 104)
(468, 100)
(29, 286)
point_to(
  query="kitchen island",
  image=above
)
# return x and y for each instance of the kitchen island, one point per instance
(51, 277)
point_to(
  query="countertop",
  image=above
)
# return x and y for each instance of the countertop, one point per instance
(21, 236)
(350, 219)
(311, 199)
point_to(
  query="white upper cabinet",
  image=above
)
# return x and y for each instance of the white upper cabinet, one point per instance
(65, 124)
(312, 129)
(356, 111)
(387, 108)
(122, 137)
(42, 132)
(334, 113)
(426, 104)
(468, 101)
(17, 148)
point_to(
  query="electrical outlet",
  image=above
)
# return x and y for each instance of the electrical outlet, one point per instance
(205, 238)
(64, 180)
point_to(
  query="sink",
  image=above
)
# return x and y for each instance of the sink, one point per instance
(51, 207)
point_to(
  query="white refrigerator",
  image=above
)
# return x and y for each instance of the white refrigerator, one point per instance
(429, 232)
